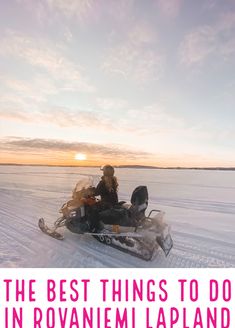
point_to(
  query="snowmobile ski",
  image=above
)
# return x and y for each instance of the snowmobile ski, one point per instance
(50, 232)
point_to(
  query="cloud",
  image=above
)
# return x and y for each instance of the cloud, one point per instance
(228, 49)
(59, 116)
(37, 9)
(204, 41)
(17, 144)
(36, 90)
(209, 5)
(80, 11)
(226, 22)
(153, 121)
(127, 62)
(145, 121)
(142, 34)
(197, 45)
(65, 117)
(112, 103)
(118, 10)
(226, 97)
(47, 57)
(72, 8)
(169, 8)
(68, 34)
(12, 115)
(93, 9)
(157, 115)
(135, 57)
(9, 101)
(51, 10)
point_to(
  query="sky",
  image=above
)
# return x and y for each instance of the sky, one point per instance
(90, 82)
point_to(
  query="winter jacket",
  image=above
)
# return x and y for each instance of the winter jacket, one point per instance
(108, 198)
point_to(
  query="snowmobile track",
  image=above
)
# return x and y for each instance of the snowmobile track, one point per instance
(146, 257)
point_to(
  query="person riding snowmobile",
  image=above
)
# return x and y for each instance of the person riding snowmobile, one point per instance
(107, 187)
(107, 190)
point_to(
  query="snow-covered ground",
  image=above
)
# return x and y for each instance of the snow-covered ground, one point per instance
(199, 205)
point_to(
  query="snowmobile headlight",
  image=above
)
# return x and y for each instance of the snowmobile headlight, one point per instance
(72, 214)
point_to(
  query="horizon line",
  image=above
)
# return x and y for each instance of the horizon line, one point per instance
(134, 166)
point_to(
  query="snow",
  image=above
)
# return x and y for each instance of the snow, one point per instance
(199, 206)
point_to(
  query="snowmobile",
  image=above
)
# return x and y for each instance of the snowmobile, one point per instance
(125, 226)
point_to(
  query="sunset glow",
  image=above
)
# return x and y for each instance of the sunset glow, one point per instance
(80, 157)
(121, 82)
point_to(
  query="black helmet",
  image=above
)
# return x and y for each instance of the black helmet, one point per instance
(108, 170)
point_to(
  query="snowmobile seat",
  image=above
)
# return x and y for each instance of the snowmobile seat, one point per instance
(139, 202)
(140, 196)
(115, 215)
(128, 214)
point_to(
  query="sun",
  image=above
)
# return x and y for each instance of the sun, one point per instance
(80, 157)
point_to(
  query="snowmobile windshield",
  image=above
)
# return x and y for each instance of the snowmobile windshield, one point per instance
(84, 182)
